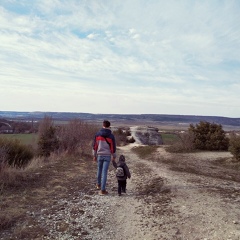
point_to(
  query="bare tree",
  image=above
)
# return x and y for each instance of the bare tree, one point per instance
(76, 136)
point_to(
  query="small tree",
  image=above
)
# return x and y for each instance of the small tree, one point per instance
(234, 146)
(76, 137)
(209, 136)
(48, 141)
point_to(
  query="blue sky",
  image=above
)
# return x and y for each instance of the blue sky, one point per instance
(118, 56)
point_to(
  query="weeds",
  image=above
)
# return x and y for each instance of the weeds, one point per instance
(145, 151)
(185, 143)
(14, 153)
(234, 147)
(36, 187)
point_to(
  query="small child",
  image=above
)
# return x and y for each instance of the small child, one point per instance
(122, 178)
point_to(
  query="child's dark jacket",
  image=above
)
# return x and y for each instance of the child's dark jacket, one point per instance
(125, 168)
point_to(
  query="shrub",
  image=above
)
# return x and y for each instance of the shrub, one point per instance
(209, 136)
(185, 143)
(76, 137)
(121, 136)
(234, 146)
(131, 140)
(48, 141)
(14, 153)
(144, 151)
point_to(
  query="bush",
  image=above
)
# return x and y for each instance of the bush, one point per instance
(209, 136)
(234, 146)
(13, 153)
(131, 140)
(76, 137)
(48, 141)
(144, 151)
(121, 136)
(185, 143)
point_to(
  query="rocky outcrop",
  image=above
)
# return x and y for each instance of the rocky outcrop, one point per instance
(146, 135)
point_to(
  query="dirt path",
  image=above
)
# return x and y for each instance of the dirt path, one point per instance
(166, 204)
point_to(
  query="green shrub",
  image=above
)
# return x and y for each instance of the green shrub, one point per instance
(47, 142)
(15, 154)
(234, 146)
(209, 136)
(47, 139)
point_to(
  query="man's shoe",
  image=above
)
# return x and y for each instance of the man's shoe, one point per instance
(103, 192)
(98, 187)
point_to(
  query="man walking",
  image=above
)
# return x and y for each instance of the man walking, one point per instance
(104, 150)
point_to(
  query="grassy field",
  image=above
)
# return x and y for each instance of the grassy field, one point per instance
(28, 139)
(169, 138)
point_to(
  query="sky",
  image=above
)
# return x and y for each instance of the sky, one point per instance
(121, 56)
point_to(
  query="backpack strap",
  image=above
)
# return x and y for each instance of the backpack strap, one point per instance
(107, 142)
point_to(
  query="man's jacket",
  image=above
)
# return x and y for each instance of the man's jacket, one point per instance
(104, 143)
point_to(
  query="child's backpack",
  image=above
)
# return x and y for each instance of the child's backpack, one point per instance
(120, 172)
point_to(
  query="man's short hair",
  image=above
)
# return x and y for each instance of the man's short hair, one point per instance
(106, 123)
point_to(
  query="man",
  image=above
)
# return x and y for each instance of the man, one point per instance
(104, 150)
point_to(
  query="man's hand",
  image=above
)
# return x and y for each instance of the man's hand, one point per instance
(94, 159)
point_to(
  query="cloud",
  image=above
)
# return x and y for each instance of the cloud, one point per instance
(165, 56)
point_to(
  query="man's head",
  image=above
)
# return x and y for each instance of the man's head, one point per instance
(106, 124)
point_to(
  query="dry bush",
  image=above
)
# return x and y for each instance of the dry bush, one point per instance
(36, 163)
(12, 176)
(45, 124)
(234, 146)
(76, 137)
(185, 143)
(3, 157)
(13, 153)
(145, 151)
(121, 136)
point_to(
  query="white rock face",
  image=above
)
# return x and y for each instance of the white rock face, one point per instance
(146, 135)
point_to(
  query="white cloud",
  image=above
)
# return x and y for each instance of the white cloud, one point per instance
(165, 56)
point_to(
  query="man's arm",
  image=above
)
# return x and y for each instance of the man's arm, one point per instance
(94, 151)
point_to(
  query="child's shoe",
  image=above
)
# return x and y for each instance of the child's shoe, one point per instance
(98, 186)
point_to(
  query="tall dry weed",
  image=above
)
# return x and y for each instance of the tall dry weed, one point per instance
(76, 137)
(185, 143)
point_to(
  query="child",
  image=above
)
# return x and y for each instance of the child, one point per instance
(122, 167)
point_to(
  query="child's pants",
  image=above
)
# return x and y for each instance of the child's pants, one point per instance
(122, 186)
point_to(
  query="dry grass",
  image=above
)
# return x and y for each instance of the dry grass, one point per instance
(145, 151)
(35, 188)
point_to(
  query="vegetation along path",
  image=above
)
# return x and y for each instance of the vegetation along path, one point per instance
(170, 196)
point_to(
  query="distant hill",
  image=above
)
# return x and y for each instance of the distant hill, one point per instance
(124, 118)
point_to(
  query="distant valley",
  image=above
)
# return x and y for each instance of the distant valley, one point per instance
(179, 121)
